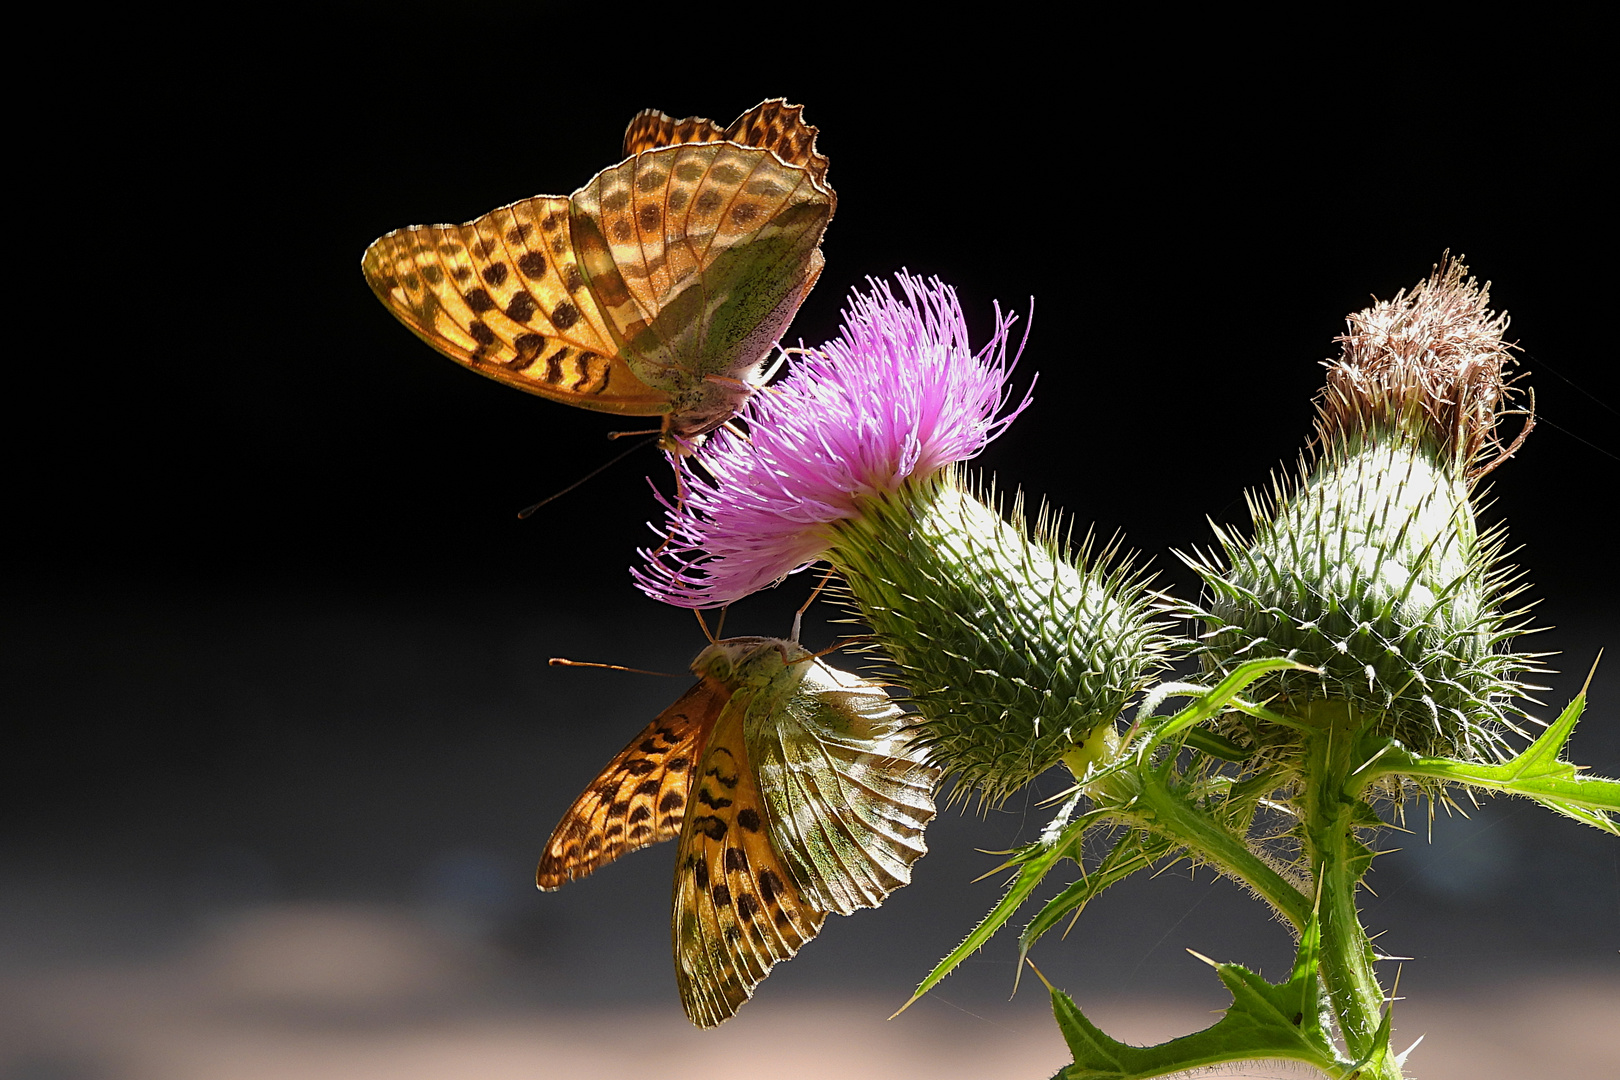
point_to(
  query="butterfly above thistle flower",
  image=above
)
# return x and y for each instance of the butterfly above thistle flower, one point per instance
(654, 290)
(795, 790)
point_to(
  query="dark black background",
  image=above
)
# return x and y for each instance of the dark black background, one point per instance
(274, 632)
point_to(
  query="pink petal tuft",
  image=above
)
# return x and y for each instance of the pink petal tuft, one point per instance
(898, 394)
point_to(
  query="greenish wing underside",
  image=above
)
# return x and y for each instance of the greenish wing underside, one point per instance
(698, 254)
(847, 794)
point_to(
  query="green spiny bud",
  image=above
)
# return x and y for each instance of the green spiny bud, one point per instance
(1370, 566)
(1015, 652)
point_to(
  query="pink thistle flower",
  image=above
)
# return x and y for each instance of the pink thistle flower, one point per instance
(897, 396)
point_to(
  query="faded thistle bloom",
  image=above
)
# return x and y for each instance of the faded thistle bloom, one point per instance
(1370, 565)
(1014, 649)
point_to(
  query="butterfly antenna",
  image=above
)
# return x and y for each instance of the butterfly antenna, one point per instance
(704, 623)
(559, 661)
(631, 434)
(590, 475)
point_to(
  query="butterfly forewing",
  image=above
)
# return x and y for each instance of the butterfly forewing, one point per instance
(776, 126)
(772, 125)
(640, 798)
(649, 129)
(737, 909)
(847, 792)
(503, 295)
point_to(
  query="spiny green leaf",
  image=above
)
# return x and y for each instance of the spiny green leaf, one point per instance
(1033, 865)
(1540, 773)
(1135, 851)
(1264, 1022)
(1215, 745)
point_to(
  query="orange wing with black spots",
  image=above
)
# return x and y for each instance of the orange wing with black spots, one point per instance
(649, 129)
(656, 289)
(738, 910)
(772, 125)
(503, 295)
(776, 126)
(640, 798)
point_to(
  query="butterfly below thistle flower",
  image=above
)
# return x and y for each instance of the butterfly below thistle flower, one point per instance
(795, 790)
(654, 290)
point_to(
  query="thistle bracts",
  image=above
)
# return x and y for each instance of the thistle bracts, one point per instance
(1370, 566)
(1014, 652)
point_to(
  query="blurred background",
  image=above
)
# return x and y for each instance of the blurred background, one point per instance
(285, 746)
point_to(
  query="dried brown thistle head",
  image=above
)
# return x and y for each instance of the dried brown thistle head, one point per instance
(1428, 364)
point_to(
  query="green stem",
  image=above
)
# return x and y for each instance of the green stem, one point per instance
(1338, 860)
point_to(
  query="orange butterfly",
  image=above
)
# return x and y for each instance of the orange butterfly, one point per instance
(654, 290)
(795, 789)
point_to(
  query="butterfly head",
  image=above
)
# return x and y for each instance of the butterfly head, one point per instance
(743, 661)
(680, 439)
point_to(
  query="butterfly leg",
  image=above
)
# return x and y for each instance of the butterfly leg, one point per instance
(798, 616)
(680, 504)
(782, 352)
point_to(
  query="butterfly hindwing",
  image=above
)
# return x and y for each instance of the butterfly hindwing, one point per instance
(848, 794)
(640, 798)
(737, 909)
(700, 255)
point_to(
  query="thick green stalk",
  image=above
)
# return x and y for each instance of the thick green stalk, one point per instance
(1331, 813)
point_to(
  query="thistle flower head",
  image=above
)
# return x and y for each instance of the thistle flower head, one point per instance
(898, 395)
(1371, 567)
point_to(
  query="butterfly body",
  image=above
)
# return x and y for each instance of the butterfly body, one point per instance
(656, 289)
(795, 791)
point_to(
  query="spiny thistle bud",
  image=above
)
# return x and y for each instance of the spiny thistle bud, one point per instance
(1013, 652)
(1370, 565)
